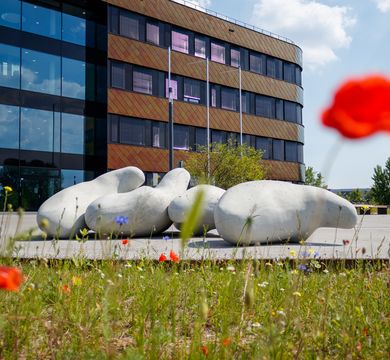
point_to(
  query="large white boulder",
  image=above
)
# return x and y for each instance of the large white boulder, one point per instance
(141, 212)
(65, 210)
(181, 204)
(270, 211)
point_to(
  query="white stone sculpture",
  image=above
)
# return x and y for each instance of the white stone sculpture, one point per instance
(141, 212)
(270, 211)
(182, 203)
(65, 210)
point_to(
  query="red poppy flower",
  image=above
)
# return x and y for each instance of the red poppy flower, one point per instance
(346, 242)
(10, 278)
(205, 350)
(226, 342)
(65, 289)
(125, 242)
(162, 258)
(361, 107)
(174, 257)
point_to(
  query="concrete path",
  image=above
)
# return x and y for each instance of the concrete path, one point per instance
(370, 239)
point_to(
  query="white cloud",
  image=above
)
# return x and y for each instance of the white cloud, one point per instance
(383, 5)
(317, 28)
(196, 4)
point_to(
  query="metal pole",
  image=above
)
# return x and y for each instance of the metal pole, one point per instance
(170, 112)
(208, 116)
(239, 79)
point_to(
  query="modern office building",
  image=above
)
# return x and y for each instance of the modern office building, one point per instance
(84, 87)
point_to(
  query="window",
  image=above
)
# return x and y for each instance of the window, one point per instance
(257, 63)
(9, 127)
(173, 86)
(245, 102)
(42, 21)
(129, 25)
(300, 153)
(200, 137)
(41, 72)
(299, 114)
(213, 97)
(229, 99)
(217, 53)
(289, 72)
(159, 134)
(298, 75)
(9, 66)
(114, 128)
(235, 57)
(218, 136)
(71, 177)
(265, 106)
(274, 68)
(74, 29)
(247, 139)
(72, 134)
(142, 82)
(278, 149)
(200, 47)
(290, 111)
(291, 151)
(132, 131)
(10, 13)
(181, 137)
(180, 42)
(73, 78)
(117, 75)
(265, 145)
(37, 129)
(152, 33)
(113, 20)
(192, 91)
(279, 109)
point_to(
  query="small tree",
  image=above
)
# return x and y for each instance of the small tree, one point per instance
(314, 178)
(229, 164)
(381, 188)
(356, 196)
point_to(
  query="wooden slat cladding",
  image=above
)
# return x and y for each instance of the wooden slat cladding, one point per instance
(203, 23)
(156, 160)
(139, 53)
(154, 108)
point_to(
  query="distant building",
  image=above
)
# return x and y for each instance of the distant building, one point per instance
(83, 90)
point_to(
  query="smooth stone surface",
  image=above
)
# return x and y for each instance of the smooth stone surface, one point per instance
(271, 211)
(65, 210)
(145, 208)
(181, 204)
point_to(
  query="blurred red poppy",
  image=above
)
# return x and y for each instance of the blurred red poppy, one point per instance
(205, 350)
(173, 256)
(125, 242)
(10, 278)
(162, 258)
(360, 108)
(226, 342)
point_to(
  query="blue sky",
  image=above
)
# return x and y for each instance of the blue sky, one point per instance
(340, 39)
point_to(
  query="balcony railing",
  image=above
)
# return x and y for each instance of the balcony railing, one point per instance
(231, 20)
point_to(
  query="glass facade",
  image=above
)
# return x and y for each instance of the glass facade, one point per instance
(53, 101)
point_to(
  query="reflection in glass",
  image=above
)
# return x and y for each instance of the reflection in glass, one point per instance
(191, 91)
(278, 149)
(37, 130)
(73, 78)
(257, 63)
(229, 99)
(9, 66)
(129, 25)
(291, 151)
(72, 140)
(218, 53)
(181, 137)
(265, 106)
(158, 134)
(234, 57)
(10, 13)
(265, 145)
(117, 75)
(41, 21)
(74, 29)
(218, 136)
(152, 33)
(200, 137)
(142, 82)
(41, 72)
(9, 126)
(132, 131)
(180, 42)
(200, 47)
(71, 177)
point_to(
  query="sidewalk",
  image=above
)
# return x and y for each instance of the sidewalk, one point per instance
(371, 242)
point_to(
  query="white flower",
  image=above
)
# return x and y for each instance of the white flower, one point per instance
(230, 268)
(263, 284)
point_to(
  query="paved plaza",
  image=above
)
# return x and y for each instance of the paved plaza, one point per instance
(370, 239)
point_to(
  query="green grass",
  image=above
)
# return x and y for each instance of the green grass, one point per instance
(148, 310)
